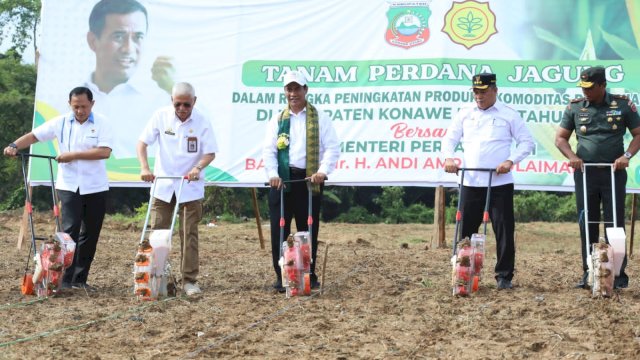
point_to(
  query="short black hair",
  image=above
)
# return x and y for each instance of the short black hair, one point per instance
(79, 91)
(106, 7)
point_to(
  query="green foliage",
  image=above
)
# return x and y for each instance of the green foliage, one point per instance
(123, 219)
(234, 202)
(331, 196)
(15, 199)
(230, 218)
(451, 209)
(127, 200)
(392, 204)
(541, 206)
(339, 200)
(418, 213)
(395, 211)
(137, 217)
(141, 211)
(531, 206)
(426, 282)
(17, 91)
(358, 215)
(19, 20)
(566, 208)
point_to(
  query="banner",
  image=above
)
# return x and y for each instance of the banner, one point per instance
(390, 74)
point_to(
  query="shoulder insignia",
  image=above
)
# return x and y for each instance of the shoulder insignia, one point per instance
(576, 100)
(622, 97)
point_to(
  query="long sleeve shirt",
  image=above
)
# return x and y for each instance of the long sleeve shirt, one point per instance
(329, 144)
(487, 137)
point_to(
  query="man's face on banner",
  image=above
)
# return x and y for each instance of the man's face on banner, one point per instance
(119, 46)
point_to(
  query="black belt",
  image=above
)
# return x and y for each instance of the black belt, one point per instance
(297, 171)
(600, 167)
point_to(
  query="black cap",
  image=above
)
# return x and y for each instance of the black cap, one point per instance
(591, 76)
(483, 81)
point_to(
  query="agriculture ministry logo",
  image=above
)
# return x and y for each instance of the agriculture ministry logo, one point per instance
(469, 23)
(408, 23)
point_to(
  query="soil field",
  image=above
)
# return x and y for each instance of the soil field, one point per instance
(386, 294)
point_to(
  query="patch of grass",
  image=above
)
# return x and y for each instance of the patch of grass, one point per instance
(427, 283)
(123, 219)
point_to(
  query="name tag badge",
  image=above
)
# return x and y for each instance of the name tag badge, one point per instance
(192, 144)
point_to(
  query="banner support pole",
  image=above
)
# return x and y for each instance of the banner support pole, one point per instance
(256, 213)
(633, 223)
(24, 223)
(439, 219)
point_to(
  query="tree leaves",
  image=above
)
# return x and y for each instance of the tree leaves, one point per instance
(17, 91)
(19, 20)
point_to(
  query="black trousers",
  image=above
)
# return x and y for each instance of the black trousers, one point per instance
(296, 205)
(599, 200)
(82, 217)
(502, 222)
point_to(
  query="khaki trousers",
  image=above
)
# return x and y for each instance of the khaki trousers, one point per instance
(190, 214)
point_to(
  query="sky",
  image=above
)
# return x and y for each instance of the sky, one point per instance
(28, 57)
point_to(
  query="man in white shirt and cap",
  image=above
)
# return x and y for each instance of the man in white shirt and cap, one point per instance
(486, 131)
(186, 146)
(300, 143)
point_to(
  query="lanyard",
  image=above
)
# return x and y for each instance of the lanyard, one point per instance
(62, 133)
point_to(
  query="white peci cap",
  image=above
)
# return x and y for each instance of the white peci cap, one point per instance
(294, 76)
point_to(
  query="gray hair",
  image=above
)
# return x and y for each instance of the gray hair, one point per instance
(183, 88)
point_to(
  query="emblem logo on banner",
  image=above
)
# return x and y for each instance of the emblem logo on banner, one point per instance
(469, 23)
(408, 23)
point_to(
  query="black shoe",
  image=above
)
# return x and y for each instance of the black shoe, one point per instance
(315, 284)
(85, 286)
(584, 282)
(66, 285)
(621, 282)
(504, 284)
(278, 286)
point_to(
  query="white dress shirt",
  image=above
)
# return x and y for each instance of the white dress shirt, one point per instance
(173, 157)
(128, 106)
(89, 176)
(329, 143)
(486, 137)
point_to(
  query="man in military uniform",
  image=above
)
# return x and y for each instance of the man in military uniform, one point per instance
(599, 120)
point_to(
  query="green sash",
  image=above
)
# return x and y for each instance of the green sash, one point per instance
(313, 144)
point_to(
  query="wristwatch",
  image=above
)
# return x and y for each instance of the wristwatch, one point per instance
(628, 155)
(13, 145)
(198, 167)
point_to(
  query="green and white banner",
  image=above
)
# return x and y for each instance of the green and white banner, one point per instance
(390, 74)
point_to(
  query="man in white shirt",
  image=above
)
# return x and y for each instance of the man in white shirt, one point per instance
(117, 31)
(84, 142)
(300, 143)
(186, 146)
(486, 131)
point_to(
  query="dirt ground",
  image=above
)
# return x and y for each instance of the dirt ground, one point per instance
(386, 294)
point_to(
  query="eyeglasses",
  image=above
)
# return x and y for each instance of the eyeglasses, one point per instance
(185, 104)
